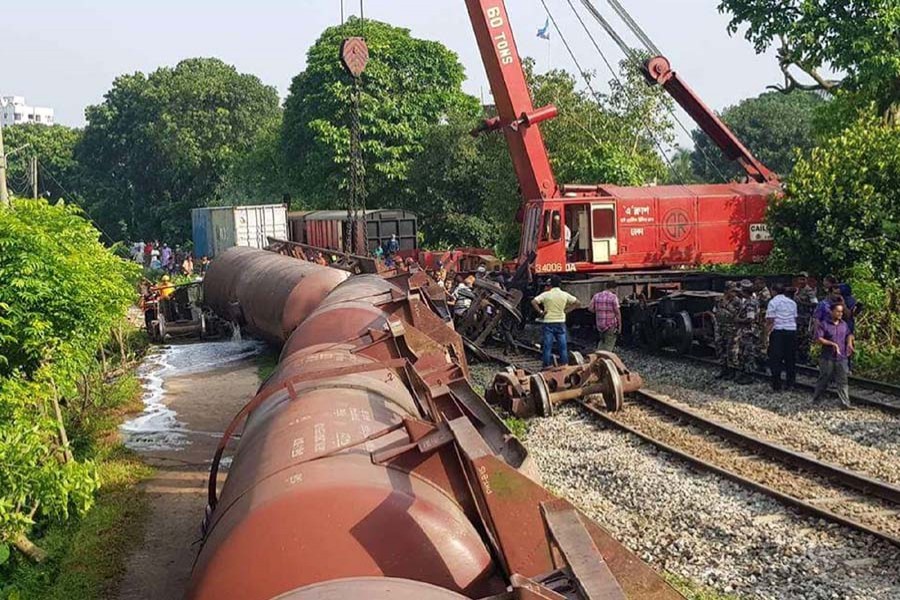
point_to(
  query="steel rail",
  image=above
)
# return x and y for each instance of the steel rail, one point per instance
(801, 505)
(888, 407)
(844, 477)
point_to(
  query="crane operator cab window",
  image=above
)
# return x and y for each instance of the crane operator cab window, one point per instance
(552, 229)
(578, 234)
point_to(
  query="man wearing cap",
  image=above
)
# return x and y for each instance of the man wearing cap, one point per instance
(551, 307)
(725, 312)
(747, 338)
(806, 306)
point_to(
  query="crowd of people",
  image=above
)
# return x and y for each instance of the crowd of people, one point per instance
(757, 328)
(156, 256)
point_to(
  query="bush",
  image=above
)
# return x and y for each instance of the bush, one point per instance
(62, 294)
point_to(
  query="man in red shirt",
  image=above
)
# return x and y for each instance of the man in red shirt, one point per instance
(608, 316)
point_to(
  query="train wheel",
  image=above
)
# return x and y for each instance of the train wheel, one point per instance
(540, 393)
(576, 358)
(684, 332)
(613, 392)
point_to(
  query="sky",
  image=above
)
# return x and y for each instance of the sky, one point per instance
(66, 53)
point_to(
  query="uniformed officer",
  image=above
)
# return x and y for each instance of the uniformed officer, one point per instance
(763, 295)
(806, 306)
(746, 341)
(725, 311)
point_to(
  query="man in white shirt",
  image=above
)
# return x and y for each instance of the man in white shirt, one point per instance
(781, 322)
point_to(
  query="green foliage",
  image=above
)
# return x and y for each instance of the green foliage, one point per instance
(161, 144)
(858, 39)
(518, 427)
(465, 188)
(409, 85)
(776, 127)
(54, 146)
(842, 204)
(257, 175)
(62, 291)
(87, 555)
(62, 294)
(610, 139)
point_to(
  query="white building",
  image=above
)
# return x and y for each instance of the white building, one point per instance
(14, 111)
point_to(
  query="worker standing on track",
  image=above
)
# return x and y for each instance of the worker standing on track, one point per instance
(806, 306)
(607, 316)
(763, 296)
(833, 334)
(725, 312)
(747, 337)
(552, 307)
(781, 323)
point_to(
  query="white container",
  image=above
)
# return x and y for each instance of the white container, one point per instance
(217, 228)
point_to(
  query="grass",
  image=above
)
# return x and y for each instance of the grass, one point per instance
(87, 555)
(266, 364)
(695, 591)
(519, 427)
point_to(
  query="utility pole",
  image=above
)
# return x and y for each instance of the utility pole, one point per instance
(4, 192)
(33, 163)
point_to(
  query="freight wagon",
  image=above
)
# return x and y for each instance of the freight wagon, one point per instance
(217, 228)
(325, 228)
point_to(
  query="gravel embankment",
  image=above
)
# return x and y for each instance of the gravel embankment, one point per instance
(861, 439)
(700, 526)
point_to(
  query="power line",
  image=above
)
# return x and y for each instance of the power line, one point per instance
(72, 197)
(609, 66)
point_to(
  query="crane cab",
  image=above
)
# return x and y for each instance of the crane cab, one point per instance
(615, 228)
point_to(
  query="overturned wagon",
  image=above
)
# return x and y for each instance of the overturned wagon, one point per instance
(368, 467)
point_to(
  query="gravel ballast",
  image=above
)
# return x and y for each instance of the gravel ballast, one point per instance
(698, 525)
(861, 439)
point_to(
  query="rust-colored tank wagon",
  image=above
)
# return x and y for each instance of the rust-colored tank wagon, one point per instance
(368, 467)
(267, 293)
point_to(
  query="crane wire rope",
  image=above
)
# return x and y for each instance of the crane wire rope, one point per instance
(634, 26)
(587, 80)
(632, 55)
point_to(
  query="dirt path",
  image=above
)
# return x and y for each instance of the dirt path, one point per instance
(204, 397)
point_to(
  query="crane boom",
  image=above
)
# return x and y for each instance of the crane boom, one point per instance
(516, 114)
(658, 70)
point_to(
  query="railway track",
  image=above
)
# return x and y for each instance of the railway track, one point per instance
(812, 486)
(863, 392)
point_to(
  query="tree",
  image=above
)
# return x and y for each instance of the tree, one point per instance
(465, 188)
(858, 39)
(613, 138)
(54, 146)
(161, 144)
(408, 86)
(842, 204)
(257, 176)
(775, 127)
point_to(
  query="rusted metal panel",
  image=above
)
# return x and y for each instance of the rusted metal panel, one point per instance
(268, 293)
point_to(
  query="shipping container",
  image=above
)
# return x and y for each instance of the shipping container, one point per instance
(325, 228)
(217, 228)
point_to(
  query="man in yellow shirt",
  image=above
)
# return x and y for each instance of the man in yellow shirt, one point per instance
(552, 307)
(166, 288)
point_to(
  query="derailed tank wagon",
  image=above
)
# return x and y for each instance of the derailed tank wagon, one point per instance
(368, 467)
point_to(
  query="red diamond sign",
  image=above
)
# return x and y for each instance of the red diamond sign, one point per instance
(355, 55)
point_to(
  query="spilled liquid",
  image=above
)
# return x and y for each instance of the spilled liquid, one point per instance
(157, 428)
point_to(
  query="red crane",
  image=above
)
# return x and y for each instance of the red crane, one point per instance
(599, 228)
